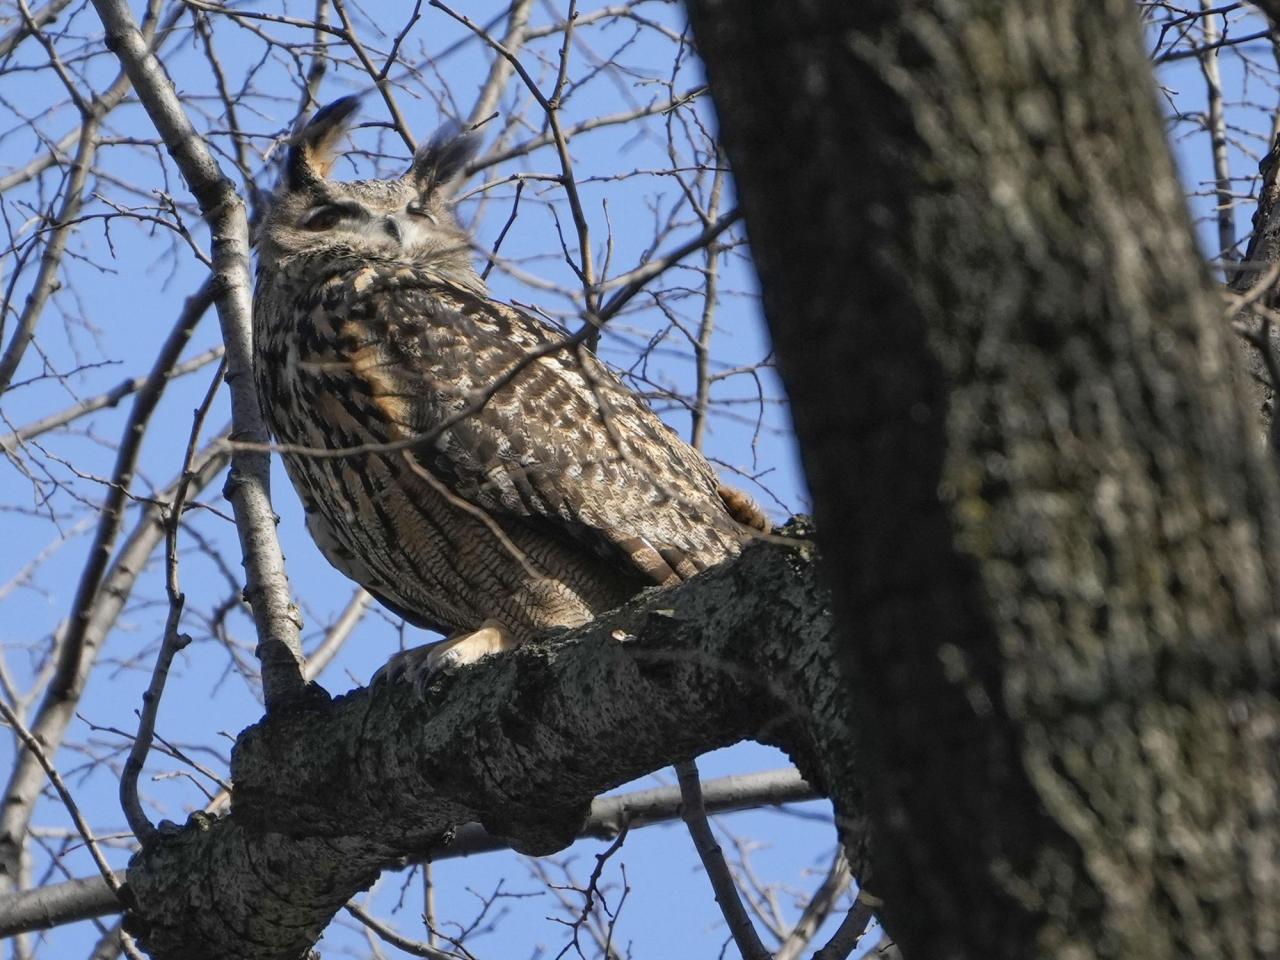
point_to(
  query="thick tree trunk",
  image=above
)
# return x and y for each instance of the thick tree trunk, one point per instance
(1052, 537)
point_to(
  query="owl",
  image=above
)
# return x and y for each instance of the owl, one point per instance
(493, 480)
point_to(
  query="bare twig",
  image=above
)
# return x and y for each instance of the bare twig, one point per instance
(414, 948)
(109, 398)
(500, 70)
(337, 634)
(51, 259)
(32, 23)
(1236, 41)
(551, 108)
(101, 401)
(36, 750)
(816, 911)
(502, 234)
(1217, 126)
(587, 916)
(116, 587)
(706, 324)
(631, 283)
(378, 76)
(173, 641)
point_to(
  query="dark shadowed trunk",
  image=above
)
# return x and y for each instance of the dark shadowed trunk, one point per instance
(1052, 542)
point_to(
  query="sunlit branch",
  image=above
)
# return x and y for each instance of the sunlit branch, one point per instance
(267, 587)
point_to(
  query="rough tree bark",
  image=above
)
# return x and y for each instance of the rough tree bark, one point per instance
(1053, 539)
(328, 792)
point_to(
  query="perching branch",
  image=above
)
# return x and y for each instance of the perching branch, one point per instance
(520, 743)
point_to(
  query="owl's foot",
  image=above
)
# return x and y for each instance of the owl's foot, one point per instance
(420, 664)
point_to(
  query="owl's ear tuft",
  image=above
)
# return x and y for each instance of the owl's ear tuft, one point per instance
(312, 150)
(443, 158)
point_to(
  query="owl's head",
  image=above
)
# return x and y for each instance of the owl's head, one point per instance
(407, 219)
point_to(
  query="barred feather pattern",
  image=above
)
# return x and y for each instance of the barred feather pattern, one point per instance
(537, 490)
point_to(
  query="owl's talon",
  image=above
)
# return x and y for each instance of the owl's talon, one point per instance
(420, 665)
(391, 671)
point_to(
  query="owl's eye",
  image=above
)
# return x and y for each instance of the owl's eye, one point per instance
(326, 216)
(419, 208)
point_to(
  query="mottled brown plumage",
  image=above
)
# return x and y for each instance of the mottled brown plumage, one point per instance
(535, 491)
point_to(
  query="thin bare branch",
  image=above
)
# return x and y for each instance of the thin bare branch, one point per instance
(32, 23)
(34, 747)
(80, 899)
(338, 634)
(51, 259)
(11, 441)
(414, 948)
(173, 641)
(1217, 127)
(694, 813)
(816, 911)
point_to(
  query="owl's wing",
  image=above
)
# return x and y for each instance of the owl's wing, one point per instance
(519, 425)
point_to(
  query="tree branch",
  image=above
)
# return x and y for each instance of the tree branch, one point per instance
(31, 24)
(9, 442)
(248, 487)
(86, 897)
(694, 812)
(326, 794)
(60, 229)
(818, 909)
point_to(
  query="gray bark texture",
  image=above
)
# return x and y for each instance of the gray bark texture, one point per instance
(328, 792)
(1050, 533)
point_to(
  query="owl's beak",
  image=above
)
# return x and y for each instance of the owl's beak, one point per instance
(392, 226)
